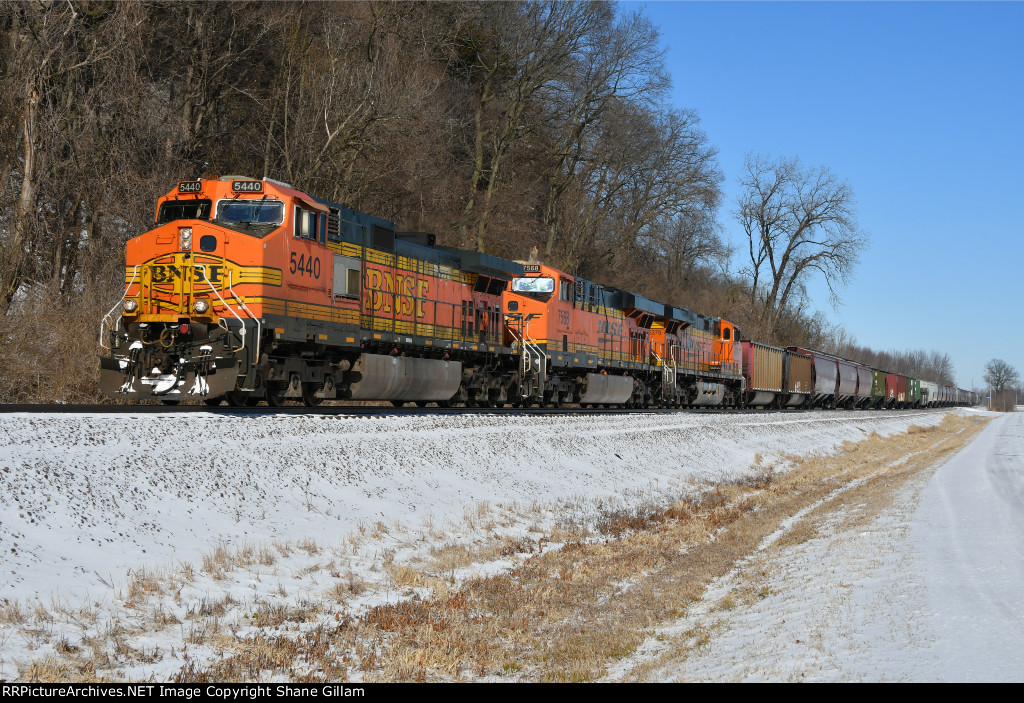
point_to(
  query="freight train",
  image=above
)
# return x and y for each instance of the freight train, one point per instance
(248, 290)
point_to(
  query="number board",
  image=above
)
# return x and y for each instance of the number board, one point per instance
(247, 186)
(531, 268)
(190, 186)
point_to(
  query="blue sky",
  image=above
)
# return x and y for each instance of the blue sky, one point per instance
(920, 107)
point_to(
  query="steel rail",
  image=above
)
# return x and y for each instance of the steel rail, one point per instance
(372, 410)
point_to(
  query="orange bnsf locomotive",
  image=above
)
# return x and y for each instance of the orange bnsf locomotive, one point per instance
(249, 290)
(581, 342)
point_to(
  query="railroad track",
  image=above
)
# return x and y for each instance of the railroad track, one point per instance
(379, 410)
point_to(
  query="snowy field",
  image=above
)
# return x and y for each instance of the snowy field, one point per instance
(86, 498)
(931, 591)
(88, 502)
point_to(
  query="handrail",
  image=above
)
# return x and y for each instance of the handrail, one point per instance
(542, 375)
(259, 326)
(530, 351)
(664, 376)
(215, 292)
(135, 271)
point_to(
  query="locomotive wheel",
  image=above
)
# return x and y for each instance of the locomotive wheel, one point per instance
(421, 403)
(275, 394)
(309, 398)
(236, 399)
(398, 403)
(212, 401)
(167, 401)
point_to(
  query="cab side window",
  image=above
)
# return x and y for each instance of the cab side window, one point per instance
(565, 291)
(307, 224)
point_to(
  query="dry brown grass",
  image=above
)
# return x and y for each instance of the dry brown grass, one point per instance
(207, 608)
(62, 669)
(141, 586)
(11, 612)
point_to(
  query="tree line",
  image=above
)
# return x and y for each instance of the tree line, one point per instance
(505, 127)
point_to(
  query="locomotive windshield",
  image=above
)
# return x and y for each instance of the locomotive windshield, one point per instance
(257, 218)
(251, 212)
(544, 284)
(172, 210)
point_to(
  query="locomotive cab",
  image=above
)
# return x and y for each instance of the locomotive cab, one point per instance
(526, 306)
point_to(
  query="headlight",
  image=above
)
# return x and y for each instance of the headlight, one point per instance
(185, 238)
(200, 306)
(130, 305)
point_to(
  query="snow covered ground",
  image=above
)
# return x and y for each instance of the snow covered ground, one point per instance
(89, 502)
(86, 498)
(931, 591)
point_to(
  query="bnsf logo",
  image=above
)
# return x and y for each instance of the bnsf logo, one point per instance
(166, 273)
(405, 293)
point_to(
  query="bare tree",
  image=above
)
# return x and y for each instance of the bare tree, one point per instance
(933, 366)
(645, 166)
(41, 52)
(799, 222)
(67, 79)
(1001, 378)
(519, 51)
(688, 241)
(620, 61)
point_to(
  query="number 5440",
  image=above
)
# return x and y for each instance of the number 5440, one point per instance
(304, 265)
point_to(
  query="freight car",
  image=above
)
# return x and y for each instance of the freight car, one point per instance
(776, 378)
(249, 291)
